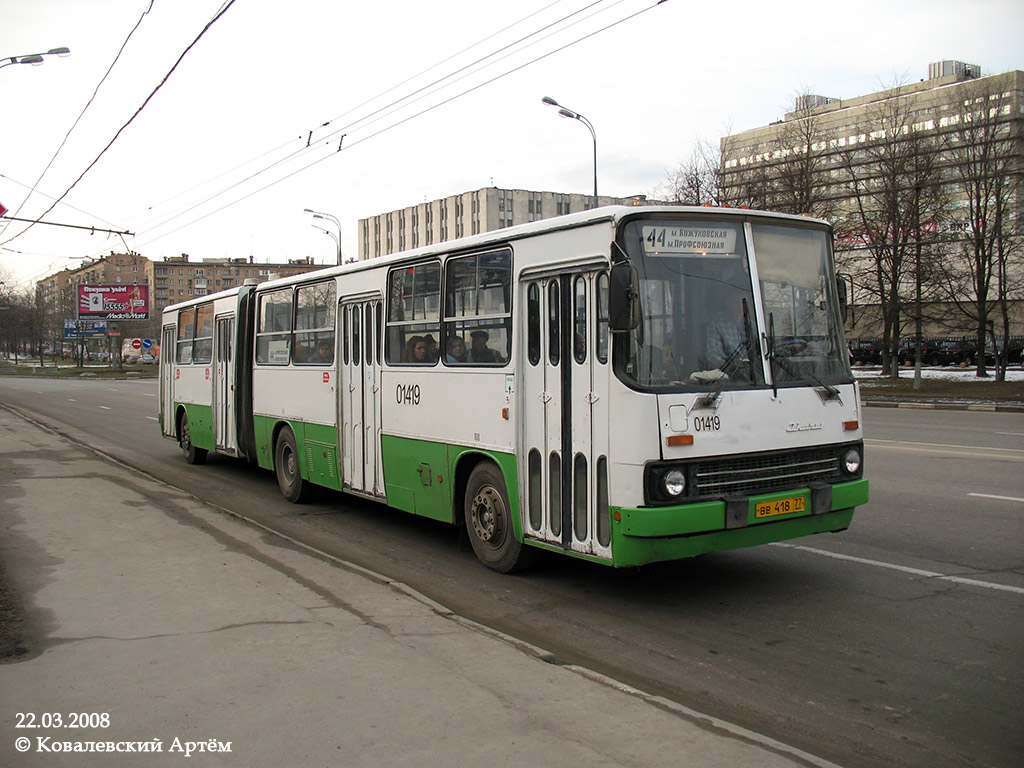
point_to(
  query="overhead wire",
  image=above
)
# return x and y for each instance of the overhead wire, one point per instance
(189, 206)
(322, 141)
(74, 125)
(413, 116)
(224, 8)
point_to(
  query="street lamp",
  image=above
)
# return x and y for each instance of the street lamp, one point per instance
(332, 219)
(566, 112)
(35, 59)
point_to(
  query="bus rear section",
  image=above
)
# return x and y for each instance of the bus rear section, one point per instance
(205, 379)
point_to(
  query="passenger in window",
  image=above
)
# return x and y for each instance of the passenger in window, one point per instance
(479, 351)
(416, 351)
(456, 350)
(431, 347)
(324, 354)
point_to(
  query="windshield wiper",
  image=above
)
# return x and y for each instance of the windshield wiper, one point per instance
(707, 400)
(831, 393)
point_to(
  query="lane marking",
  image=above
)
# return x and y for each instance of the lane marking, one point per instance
(993, 496)
(106, 408)
(905, 569)
(942, 449)
(153, 418)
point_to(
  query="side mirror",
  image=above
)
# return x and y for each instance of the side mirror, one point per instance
(841, 295)
(624, 298)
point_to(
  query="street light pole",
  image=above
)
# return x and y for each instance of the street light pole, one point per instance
(334, 220)
(35, 59)
(566, 112)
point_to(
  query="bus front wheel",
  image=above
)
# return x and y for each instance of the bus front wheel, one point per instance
(289, 474)
(489, 522)
(193, 455)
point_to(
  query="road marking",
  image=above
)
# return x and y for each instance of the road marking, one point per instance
(943, 449)
(1011, 434)
(905, 569)
(993, 496)
(106, 408)
(153, 418)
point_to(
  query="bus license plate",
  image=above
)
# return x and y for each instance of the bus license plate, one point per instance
(779, 507)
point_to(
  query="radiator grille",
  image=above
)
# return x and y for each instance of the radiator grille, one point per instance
(761, 473)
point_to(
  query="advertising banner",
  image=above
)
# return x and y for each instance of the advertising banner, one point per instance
(113, 302)
(85, 329)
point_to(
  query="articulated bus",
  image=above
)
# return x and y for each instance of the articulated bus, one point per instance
(624, 385)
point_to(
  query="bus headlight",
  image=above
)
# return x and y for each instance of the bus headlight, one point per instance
(851, 461)
(674, 482)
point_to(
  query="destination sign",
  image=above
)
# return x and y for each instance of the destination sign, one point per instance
(688, 241)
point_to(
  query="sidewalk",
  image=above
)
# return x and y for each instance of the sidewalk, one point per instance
(181, 626)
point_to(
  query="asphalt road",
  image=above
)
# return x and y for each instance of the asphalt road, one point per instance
(896, 643)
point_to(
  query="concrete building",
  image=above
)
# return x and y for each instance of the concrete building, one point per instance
(829, 141)
(170, 280)
(469, 213)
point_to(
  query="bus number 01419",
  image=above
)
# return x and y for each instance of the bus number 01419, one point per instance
(707, 423)
(408, 394)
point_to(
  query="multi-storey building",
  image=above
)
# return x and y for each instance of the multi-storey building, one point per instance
(469, 213)
(179, 278)
(822, 154)
(170, 280)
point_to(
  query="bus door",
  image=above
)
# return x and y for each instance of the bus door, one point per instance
(565, 405)
(224, 385)
(168, 349)
(359, 393)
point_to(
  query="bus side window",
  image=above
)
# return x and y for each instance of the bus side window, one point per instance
(533, 323)
(412, 327)
(314, 324)
(602, 317)
(274, 326)
(478, 308)
(554, 323)
(186, 332)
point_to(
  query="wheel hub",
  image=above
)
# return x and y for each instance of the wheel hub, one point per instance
(487, 515)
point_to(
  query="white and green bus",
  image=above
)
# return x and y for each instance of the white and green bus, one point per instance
(624, 385)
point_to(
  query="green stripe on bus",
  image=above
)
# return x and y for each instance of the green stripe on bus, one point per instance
(316, 445)
(200, 424)
(428, 478)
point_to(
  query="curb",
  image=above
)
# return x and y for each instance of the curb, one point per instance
(996, 407)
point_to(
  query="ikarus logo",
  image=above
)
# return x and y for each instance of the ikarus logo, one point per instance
(796, 426)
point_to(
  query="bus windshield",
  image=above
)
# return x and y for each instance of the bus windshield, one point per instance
(700, 326)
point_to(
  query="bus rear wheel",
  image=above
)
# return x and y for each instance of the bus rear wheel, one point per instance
(193, 455)
(489, 522)
(289, 473)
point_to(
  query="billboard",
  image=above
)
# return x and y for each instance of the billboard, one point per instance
(113, 302)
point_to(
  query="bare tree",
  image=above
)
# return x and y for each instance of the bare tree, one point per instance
(696, 180)
(894, 183)
(984, 146)
(800, 163)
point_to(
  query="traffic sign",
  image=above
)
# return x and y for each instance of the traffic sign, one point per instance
(136, 343)
(147, 343)
(3, 209)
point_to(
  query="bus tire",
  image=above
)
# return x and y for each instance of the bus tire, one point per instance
(193, 455)
(288, 470)
(488, 519)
